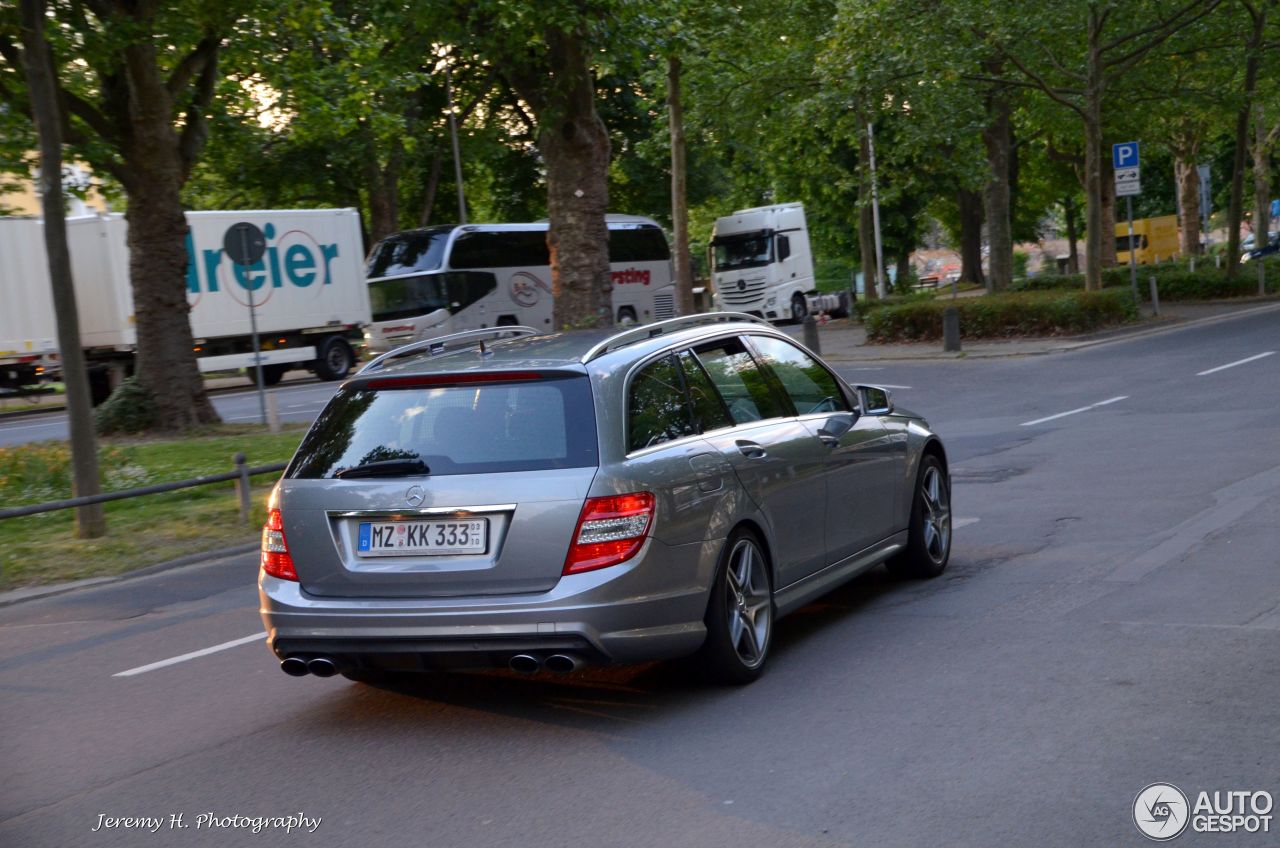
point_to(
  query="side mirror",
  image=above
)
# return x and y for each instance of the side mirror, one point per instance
(875, 400)
(784, 247)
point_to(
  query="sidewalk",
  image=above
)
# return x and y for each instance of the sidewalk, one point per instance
(846, 341)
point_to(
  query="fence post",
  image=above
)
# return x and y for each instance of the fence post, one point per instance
(951, 329)
(242, 486)
(1155, 296)
(811, 339)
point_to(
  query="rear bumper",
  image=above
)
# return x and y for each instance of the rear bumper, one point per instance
(647, 609)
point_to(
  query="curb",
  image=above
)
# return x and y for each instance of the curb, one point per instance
(33, 593)
(1067, 345)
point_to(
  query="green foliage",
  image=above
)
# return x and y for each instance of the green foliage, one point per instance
(1020, 260)
(42, 472)
(863, 307)
(130, 409)
(1003, 316)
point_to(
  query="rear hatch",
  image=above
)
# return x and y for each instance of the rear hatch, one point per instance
(441, 485)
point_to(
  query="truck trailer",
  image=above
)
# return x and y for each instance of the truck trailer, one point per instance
(309, 291)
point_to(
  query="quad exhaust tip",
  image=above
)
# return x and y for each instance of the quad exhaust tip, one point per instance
(525, 664)
(322, 667)
(563, 663)
(294, 666)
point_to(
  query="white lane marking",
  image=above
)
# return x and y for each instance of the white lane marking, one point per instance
(59, 423)
(963, 522)
(203, 652)
(1238, 362)
(1074, 411)
(254, 417)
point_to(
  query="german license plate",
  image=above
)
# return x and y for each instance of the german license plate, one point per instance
(423, 538)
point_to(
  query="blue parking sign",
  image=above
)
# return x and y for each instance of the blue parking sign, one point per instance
(1124, 155)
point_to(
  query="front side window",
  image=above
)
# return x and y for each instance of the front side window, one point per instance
(656, 407)
(810, 386)
(744, 387)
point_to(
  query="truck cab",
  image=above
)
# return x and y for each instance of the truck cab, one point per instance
(1154, 239)
(761, 263)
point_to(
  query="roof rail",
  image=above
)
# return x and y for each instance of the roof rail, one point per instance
(648, 331)
(441, 344)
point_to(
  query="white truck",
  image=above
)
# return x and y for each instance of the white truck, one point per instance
(761, 264)
(309, 291)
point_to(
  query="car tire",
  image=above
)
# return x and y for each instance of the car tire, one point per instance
(626, 317)
(799, 307)
(740, 613)
(334, 358)
(929, 534)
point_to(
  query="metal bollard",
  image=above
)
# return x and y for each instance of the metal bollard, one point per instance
(1155, 296)
(273, 412)
(951, 329)
(242, 486)
(811, 340)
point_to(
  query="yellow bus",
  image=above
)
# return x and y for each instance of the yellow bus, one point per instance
(1155, 239)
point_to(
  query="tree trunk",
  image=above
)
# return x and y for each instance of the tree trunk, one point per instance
(90, 520)
(575, 149)
(1235, 208)
(996, 198)
(970, 204)
(1189, 207)
(904, 267)
(433, 183)
(157, 251)
(679, 195)
(1094, 216)
(1110, 210)
(383, 186)
(1261, 180)
(1073, 235)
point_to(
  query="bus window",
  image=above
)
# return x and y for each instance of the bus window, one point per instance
(527, 249)
(638, 244)
(408, 253)
(409, 296)
(465, 288)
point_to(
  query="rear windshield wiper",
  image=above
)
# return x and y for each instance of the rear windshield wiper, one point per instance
(386, 468)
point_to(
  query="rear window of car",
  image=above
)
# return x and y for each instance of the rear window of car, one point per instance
(464, 428)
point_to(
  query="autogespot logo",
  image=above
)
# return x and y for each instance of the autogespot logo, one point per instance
(1160, 811)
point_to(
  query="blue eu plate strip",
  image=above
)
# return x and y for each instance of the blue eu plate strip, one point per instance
(364, 536)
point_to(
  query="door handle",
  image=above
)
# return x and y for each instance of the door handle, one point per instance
(751, 450)
(829, 440)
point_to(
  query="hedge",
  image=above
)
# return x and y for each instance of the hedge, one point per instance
(1005, 315)
(1173, 279)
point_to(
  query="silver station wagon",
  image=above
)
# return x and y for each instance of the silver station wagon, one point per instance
(544, 501)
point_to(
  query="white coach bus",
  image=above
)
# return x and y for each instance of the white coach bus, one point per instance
(439, 280)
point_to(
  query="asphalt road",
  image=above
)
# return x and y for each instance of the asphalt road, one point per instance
(1110, 620)
(296, 401)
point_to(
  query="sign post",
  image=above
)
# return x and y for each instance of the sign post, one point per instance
(245, 244)
(1128, 172)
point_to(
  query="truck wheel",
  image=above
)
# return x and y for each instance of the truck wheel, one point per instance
(799, 307)
(271, 374)
(334, 358)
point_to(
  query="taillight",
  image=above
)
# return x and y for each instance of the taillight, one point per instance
(276, 560)
(610, 530)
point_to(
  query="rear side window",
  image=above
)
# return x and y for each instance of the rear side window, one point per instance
(708, 409)
(656, 407)
(744, 387)
(467, 428)
(811, 387)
